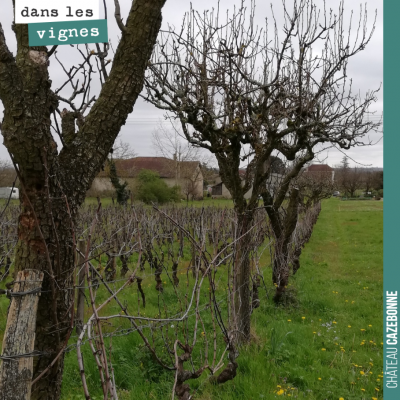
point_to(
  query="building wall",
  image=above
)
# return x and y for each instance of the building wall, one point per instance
(103, 186)
(274, 181)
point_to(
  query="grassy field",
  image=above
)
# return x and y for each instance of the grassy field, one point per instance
(325, 343)
(207, 202)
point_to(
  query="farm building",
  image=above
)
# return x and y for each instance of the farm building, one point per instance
(219, 190)
(185, 174)
(9, 193)
(323, 171)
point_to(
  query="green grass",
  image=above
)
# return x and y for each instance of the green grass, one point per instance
(325, 343)
(207, 202)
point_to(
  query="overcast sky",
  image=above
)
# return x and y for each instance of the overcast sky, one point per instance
(366, 68)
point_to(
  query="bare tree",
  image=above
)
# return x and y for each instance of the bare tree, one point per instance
(122, 150)
(350, 180)
(171, 144)
(185, 159)
(367, 180)
(246, 94)
(315, 186)
(192, 185)
(54, 182)
(378, 180)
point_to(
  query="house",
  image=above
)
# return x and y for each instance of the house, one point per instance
(322, 171)
(9, 193)
(185, 174)
(219, 190)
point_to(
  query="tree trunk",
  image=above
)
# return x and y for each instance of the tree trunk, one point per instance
(54, 184)
(283, 230)
(50, 248)
(241, 301)
(19, 338)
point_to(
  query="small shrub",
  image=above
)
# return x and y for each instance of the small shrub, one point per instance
(152, 189)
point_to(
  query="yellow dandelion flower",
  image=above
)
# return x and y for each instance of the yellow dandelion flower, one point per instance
(280, 392)
(320, 379)
(303, 317)
(362, 372)
(323, 349)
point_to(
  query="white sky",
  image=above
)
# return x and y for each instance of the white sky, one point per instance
(366, 68)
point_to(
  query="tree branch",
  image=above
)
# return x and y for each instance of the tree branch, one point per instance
(92, 143)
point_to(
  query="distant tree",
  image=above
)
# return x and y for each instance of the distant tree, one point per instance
(377, 182)
(172, 144)
(367, 180)
(151, 188)
(120, 188)
(350, 180)
(344, 163)
(192, 176)
(314, 187)
(122, 150)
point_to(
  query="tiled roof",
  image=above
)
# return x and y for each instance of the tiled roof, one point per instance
(319, 168)
(166, 168)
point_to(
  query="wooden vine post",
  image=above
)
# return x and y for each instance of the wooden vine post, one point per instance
(19, 338)
(80, 304)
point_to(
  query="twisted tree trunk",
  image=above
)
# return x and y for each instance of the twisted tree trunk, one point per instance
(54, 183)
(283, 229)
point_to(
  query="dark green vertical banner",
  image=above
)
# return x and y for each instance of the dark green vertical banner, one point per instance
(391, 215)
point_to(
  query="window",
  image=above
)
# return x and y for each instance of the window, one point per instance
(217, 190)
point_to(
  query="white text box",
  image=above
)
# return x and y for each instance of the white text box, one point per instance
(31, 11)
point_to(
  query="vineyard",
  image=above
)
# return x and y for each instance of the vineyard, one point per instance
(155, 289)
